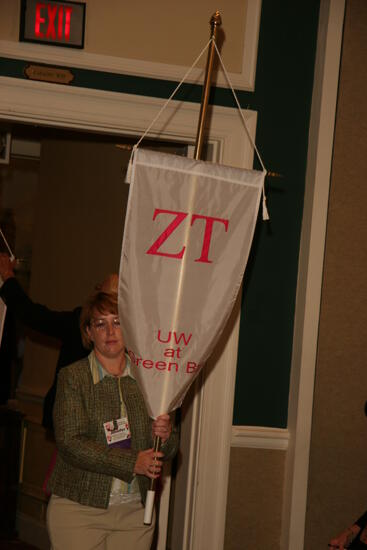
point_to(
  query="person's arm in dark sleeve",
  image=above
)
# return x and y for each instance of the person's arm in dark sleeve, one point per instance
(32, 315)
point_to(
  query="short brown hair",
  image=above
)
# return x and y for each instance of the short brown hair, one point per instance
(104, 302)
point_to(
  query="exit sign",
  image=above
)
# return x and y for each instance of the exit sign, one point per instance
(56, 23)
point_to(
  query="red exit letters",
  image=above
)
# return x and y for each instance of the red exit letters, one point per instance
(179, 217)
(52, 21)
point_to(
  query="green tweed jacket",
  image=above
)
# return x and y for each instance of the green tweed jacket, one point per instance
(85, 465)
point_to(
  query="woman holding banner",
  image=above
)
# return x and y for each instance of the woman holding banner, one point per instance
(104, 437)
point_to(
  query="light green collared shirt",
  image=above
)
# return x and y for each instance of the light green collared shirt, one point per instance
(121, 491)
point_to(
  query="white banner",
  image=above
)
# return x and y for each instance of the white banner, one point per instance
(188, 232)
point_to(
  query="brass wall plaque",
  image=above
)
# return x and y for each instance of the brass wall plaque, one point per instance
(49, 74)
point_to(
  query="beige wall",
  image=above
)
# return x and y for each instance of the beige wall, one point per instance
(133, 30)
(255, 490)
(338, 461)
(9, 20)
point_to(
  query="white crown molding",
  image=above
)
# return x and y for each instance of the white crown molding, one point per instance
(253, 437)
(53, 55)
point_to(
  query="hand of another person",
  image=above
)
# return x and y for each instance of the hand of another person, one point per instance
(149, 464)
(363, 536)
(344, 539)
(162, 427)
(6, 267)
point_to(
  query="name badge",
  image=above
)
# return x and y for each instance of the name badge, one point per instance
(117, 433)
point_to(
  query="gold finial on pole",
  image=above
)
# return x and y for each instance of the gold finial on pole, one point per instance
(215, 22)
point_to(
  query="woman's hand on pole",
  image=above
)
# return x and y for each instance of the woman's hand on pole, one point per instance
(162, 427)
(149, 464)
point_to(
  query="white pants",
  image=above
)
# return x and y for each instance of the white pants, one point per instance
(73, 526)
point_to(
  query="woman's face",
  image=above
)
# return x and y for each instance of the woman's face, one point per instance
(106, 335)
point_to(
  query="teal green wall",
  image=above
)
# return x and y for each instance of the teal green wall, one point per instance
(284, 81)
(282, 97)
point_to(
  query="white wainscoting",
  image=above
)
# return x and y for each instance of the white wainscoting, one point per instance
(254, 437)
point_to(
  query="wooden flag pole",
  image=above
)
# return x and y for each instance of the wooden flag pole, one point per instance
(215, 22)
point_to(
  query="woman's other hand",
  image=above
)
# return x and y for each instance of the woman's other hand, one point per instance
(149, 464)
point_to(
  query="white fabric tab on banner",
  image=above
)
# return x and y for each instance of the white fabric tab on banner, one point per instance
(188, 233)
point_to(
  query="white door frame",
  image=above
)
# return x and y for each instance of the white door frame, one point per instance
(26, 101)
(310, 272)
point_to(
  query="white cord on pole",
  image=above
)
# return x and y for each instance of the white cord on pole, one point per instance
(173, 93)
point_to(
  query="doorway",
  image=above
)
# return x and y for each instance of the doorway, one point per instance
(62, 208)
(129, 115)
